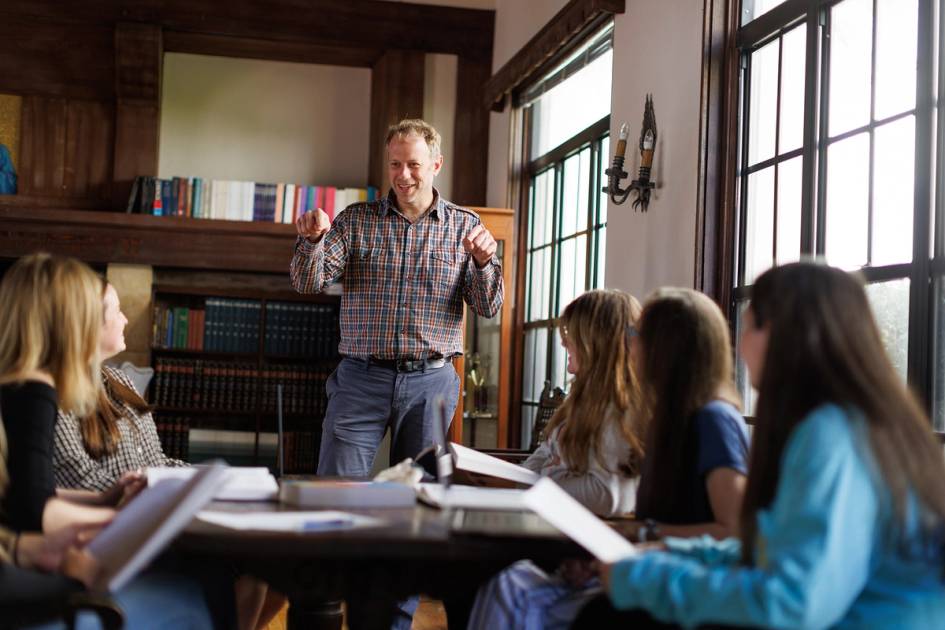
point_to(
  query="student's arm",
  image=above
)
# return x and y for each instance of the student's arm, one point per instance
(60, 513)
(725, 487)
(314, 266)
(537, 460)
(817, 540)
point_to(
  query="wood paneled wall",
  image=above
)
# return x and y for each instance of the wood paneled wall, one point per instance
(396, 93)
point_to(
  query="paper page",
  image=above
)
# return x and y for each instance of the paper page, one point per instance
(145, 526)
(472, 497)
(474, 461)
(319, 521)
(548, 500)
(250, 483)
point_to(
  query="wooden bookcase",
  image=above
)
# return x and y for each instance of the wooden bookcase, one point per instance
(216, 397)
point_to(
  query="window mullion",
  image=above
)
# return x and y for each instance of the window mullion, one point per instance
(818, 217)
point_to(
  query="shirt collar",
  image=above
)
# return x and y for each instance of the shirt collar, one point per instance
(439, 209)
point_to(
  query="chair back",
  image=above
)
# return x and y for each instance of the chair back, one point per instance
(548, 402)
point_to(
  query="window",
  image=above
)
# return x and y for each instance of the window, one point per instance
(567, 118)
(836, 152)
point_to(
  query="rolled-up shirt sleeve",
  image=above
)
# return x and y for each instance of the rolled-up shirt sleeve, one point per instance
(484, 289)
(315, 266)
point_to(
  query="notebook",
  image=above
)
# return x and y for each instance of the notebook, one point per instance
(145, 526)
(548, 500)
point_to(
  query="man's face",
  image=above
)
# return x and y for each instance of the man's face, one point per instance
(411, 169)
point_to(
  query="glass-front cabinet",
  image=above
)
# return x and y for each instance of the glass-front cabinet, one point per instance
(482, 414)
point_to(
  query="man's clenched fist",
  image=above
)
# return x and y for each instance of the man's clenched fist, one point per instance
(313, 225)
(480, 244)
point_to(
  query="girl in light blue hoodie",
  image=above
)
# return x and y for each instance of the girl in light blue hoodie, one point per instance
(843, 521)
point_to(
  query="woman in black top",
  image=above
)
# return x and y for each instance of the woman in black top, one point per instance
(52, 316)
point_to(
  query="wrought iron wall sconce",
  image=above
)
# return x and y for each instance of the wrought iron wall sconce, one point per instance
(642, 185)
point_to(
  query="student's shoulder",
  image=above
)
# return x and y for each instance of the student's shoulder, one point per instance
(720, 414)
(828, 430)
(110, 372)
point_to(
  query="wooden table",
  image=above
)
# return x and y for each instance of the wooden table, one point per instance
(415, 551)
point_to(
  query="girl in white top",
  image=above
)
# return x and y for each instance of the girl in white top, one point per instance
(594, 446)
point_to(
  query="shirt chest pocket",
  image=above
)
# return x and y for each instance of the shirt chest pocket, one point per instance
(371, 262)
(444, 268)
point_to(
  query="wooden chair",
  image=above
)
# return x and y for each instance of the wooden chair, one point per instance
(548, 403)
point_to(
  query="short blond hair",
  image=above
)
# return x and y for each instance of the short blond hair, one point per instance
(416, 127)
(52, 315)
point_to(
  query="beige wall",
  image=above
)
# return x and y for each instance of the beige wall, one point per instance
(644, 251)
(265, 121)
(439, 109)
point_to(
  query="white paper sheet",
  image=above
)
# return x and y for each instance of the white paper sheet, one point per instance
(242, 483)
(472, 497)
(313, 521)
(556, 506)
(474, 461)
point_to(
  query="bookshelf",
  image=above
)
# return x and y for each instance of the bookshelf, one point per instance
(218, 357)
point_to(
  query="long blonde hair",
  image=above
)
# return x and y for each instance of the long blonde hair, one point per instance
(52, 319)
(597, 324)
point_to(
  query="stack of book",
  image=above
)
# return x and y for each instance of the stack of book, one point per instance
(239, 201)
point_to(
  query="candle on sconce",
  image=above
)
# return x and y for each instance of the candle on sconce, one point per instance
(622, 140)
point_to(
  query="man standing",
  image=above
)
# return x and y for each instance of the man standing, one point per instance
(408, 262)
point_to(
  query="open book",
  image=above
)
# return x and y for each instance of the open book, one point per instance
(548, 500)
(470, 460)
(243, 483)
(147, 524)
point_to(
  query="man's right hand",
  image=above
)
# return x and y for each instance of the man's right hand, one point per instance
(313, 225)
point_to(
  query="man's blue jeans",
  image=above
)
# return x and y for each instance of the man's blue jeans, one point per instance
(365, 398)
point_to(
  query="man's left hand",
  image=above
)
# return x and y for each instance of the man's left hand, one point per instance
(480, 244)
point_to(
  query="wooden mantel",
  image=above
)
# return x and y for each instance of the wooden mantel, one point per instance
(116, 237)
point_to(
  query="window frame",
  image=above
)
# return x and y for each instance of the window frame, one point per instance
(727, 46)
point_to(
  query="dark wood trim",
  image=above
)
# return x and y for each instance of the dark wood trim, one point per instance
(519, 147)
(116, 237)
(470, 133)
(336, 23)
(571, 145)
(551, 40)
(718, 153)
(138, 63)
(396, 93)
(781, 17)
(256, 48)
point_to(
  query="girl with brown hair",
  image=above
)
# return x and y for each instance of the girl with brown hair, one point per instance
(593, 448)
(843, 522)
(696, 451)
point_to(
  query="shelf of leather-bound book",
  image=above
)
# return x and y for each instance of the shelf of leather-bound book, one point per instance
(204, 354)
(218, 422)
(251, 293)
(203, 411)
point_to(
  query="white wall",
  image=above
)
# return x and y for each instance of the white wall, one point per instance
(644, 251)
(265, 121)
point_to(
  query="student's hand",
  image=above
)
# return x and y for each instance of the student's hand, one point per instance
(125, 489)
(603, 571)
(80, 565)
(577, 572)
(313, 225)
(47, 552)
(480, 244)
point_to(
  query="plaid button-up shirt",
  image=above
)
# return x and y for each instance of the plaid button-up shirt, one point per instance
(404, 283)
